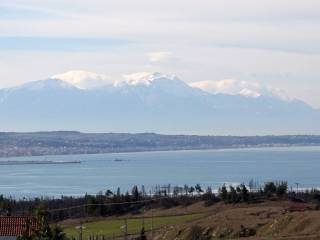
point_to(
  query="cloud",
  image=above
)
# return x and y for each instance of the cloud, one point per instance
(159, 56)
(236, 87)
(60, 44)
(265, 40)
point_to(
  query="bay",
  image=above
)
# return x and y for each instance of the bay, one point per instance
(206, 167)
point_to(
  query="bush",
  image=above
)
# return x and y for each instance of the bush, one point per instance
(223, 193)
(233, 197)
(282, 188)
(279, 188)
(315, 194)
(209, 198)
(197, 233)
(269, 187)
(246, 232)
(244, 193)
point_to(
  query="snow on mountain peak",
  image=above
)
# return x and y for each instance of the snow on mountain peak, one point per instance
(43, 84)
(83, 79)
(88, 80)
(243, 88)
(146, 78)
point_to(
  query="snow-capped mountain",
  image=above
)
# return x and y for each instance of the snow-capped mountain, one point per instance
(243, 88)
(83, 79)
(145, 102)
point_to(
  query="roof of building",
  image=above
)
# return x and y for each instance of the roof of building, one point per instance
(17, 226)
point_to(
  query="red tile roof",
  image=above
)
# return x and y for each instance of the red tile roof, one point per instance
(299, 207)
(17, 226)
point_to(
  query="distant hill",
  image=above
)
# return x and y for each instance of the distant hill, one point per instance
(51, 143)
(149, 103)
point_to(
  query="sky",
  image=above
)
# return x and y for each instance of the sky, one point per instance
(270, 42)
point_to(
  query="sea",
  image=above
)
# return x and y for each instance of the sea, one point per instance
(299, 166)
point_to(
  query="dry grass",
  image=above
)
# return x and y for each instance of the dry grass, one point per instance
(267, 220)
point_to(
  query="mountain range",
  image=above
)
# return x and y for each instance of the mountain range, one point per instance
(152, 102)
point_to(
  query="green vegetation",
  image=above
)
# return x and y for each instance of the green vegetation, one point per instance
(279, 188)
(235, 194)
(241, 193)
(107, 205)
(113, 227)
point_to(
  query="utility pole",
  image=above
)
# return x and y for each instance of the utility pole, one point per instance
(151, 224)
(80, 228)
(143, 218)
(125, 229)
(297, 187)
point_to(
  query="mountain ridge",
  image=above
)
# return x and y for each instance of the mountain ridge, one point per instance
(150, 103)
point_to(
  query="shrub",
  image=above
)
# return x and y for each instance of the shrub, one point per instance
(244, 193)
(232, 195)
(282, 188)
(209, 198)
(197, 233)
(223, 193)
(269, 187)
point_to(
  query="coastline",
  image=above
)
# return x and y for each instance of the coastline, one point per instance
(40, 162)
(231, 148)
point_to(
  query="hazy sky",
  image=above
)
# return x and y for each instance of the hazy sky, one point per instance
(272, 42)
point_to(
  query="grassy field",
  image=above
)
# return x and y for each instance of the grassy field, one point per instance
(113, 227)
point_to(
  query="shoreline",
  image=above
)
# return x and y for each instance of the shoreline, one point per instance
(232, 148)
(33, 162)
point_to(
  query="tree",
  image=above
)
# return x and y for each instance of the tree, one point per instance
(253, 185)
(135, 193)
(191, 190)
(238, 189)
(233, 196)
(143, 191)
(269, 187)
(57, 233)
(109, 193)
(209, 197)
(118, 195)
(198, 189)
(169, 189)
(223, 193)
(244, 193)
(282, 188)
(44, 232)
(175, 191)
(186, 189)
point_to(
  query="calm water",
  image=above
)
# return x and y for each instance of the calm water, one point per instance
(209, 168)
